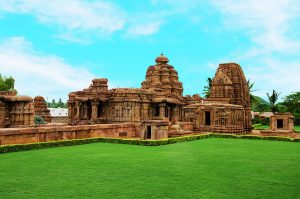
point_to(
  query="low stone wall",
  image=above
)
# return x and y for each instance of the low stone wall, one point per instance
(55, 133)
(60, 119)
(284, 133)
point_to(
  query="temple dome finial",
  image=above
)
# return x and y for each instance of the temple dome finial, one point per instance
(162, 59)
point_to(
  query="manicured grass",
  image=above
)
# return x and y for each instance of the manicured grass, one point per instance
(210, 168)
(263, 127)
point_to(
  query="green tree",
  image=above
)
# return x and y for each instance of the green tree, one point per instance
(7, 83)
(260, 107)
(253, 98)
(273, 99)
(292, 103)
(60, 104)
(54, 104)
(206, 89)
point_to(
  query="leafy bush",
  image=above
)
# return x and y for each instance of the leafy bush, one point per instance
(39, 120)
(265, 121)
(42, 145)
(277, 138)
(296, 120)
(256, 120)
(251, 137)
(262, 121)
(296, 140)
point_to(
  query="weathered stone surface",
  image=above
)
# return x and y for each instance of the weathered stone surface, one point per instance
(60, 119)
(161, 99)
(230, 86)
(152, 110)
(281, 124)
(40, 108)
(46, 134)
(15, 110)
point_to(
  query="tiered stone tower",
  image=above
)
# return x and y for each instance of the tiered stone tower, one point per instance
(230, 84)
(162, 77)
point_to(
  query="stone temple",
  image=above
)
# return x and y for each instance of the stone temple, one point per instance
(156, 110)
(159, 106)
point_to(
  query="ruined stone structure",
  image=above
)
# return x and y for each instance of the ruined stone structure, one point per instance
(157, 110)
(55, 133)
(160, 98)
(228, 109)
(15, 111)
(159, 103)
(282, 122)
(40, 108)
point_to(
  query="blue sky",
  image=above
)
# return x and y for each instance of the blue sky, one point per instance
(55, 47)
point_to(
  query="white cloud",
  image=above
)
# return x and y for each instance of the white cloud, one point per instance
(268, 22)
(39, 74)
(273, 73)
(78, 16)
(270, 60)
(144, 29)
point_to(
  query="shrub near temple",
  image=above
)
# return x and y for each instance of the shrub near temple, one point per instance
(42, 145)
(39, 120)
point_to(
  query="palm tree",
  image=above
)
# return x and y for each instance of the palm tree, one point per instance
(206, 90)
(273, 99)
(253, 98)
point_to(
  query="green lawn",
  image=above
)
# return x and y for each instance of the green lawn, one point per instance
(210, 168)
(263, 127)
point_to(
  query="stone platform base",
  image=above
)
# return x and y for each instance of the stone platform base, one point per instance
(281, 133)
(55, 133)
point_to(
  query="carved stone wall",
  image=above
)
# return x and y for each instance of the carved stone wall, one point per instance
(160, 97)
(230, 85)
(282, 122)
(15, 110)
(40, 108)
(56, 133)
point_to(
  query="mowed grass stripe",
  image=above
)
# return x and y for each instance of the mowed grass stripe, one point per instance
(210, 168)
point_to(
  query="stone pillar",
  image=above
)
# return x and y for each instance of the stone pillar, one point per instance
(145, 111)
(85, 111)
(248, 121)
(94, 109)
(78, 110)
(162, 110)
(174, 115)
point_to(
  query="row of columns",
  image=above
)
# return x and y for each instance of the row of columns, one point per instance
(82, 108)
(168, 112)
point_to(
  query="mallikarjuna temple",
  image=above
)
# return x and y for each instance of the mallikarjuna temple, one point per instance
(157, 110)
(160, 99)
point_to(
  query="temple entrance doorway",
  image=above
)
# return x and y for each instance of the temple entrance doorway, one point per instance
(207, 118)
(280, 123)
(100, 110)
(148, 132)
